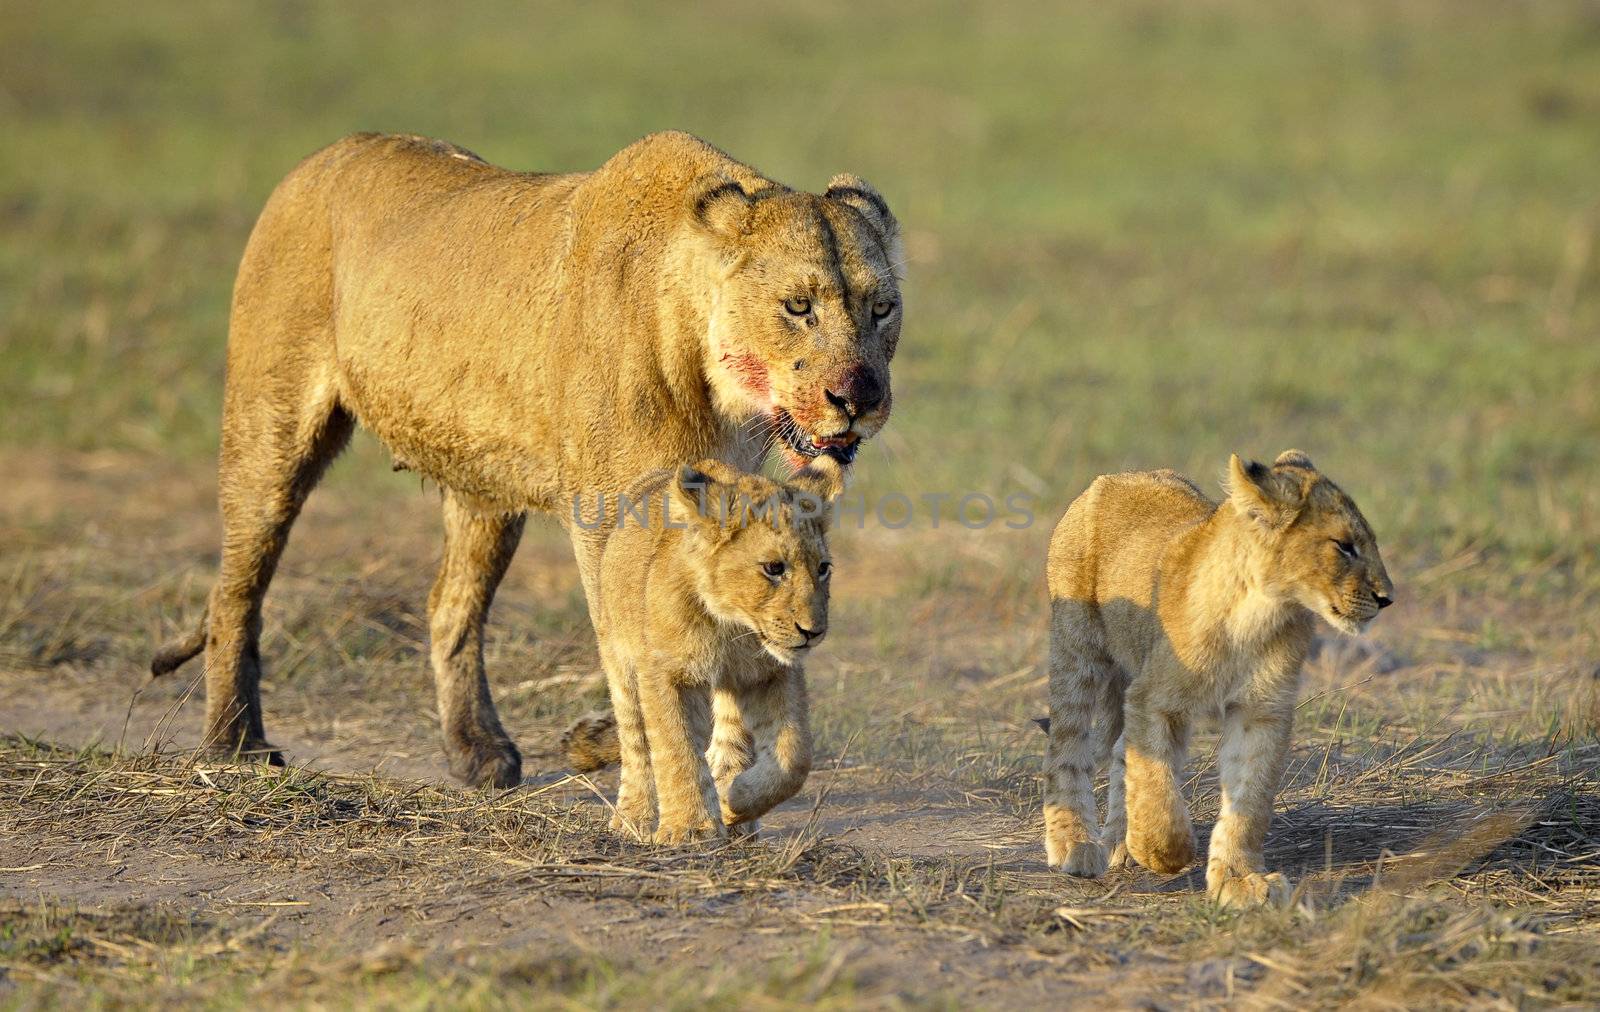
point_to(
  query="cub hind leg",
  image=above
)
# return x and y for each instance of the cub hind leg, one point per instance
(1085, 716)
(1160, 833)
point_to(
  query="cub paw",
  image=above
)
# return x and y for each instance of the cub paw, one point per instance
(1085, 859)
(1166, 849)
(667, 835)
(1253, 889)
(1119, 857)
(632, 825)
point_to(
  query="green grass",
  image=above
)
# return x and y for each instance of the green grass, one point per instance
(1138, 237)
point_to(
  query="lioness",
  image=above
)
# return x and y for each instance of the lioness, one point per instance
(711, 606)
(525, 339)
(1165, 606)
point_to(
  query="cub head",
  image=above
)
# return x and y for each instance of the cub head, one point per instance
(758, 550)
(1319, 549)
(805, 310)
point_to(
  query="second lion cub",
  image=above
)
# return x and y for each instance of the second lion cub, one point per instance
(706, 612)
(1166, 606)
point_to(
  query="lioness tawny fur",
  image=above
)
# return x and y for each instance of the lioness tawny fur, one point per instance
(1166, 606)
(705, 615)
(524, 339)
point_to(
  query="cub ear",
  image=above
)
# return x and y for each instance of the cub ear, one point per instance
(822, 479)
(1294, 458)
(853, 191)
(1270, 499)
(720, 205)
(703, 493)
(697, 498)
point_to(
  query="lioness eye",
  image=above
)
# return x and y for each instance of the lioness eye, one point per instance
(824, 570)
(1346, 549)
(881, 308)
(772, 569)
(798, 306)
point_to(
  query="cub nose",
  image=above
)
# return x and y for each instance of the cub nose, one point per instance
(1383, 601)
(811, 635)
(860, 392)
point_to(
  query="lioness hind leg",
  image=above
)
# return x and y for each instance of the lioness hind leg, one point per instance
(478, 547)
(272, 456)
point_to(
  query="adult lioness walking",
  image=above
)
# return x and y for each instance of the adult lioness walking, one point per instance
(524, 340)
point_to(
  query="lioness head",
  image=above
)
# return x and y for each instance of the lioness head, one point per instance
(1320, 550)
(805, 311)
(758, 550)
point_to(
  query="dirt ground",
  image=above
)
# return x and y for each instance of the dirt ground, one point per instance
(909, 870)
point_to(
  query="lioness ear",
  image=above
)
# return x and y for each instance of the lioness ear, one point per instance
(1270, 499)
(853, 191)
(720, 205)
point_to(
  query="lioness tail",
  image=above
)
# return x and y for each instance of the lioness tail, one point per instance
(173, 655)
(591, 742)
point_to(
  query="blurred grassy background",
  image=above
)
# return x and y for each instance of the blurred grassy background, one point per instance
(1140, 235)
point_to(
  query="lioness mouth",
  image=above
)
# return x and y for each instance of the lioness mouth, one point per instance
(841, 448)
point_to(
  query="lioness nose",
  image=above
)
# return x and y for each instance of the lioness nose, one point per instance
(1383, 601)
(860, 392)
(810, 634)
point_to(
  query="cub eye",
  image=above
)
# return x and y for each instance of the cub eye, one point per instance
(824, 570)
(773, 569)
(1346, 549)
(882, 308)
(797, 306)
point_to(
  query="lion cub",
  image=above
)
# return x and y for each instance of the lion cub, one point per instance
(1166, 606)
(706, 612)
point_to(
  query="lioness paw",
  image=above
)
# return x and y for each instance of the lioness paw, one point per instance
(1254, 889)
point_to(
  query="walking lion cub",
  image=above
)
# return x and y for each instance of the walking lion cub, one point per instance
(1166, 606)
(707, 610)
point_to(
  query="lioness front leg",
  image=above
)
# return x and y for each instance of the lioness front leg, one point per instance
(1155, 746)
(1254, 749)
(776, 713)
(677, 722)
(478, 547)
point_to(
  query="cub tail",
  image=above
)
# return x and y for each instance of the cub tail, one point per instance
(591, 742)
(174, 654)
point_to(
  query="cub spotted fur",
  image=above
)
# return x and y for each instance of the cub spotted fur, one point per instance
(705, 615)
(1166, 606)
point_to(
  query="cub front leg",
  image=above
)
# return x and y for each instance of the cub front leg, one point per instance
(1254, 750)
(777, 717)
(732, 752)
(677, 724)
(1155, 746)
(635, 814)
